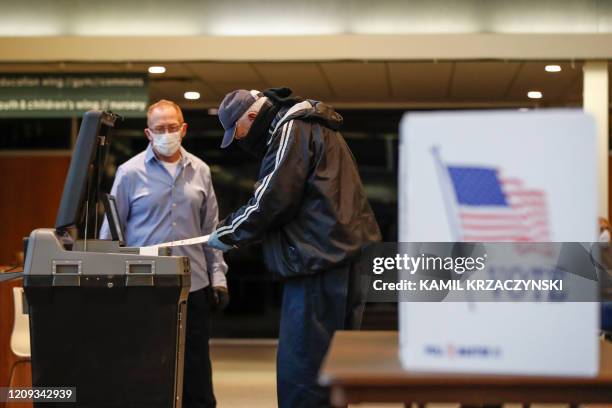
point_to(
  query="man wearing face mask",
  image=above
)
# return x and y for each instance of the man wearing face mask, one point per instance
(311, 213)
(166, 194)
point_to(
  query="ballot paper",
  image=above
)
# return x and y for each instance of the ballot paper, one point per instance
(153, 250)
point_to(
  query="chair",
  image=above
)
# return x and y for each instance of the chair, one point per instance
(20, 337)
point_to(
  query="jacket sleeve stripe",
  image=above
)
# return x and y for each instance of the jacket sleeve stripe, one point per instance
(258, 191)
(228, 229)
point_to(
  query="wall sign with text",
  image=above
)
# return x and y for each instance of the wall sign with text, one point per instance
(66, 95)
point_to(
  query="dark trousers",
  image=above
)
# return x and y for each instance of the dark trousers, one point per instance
(314, 307)
(197, 379)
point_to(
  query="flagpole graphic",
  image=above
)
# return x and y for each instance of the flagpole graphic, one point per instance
(448, 194)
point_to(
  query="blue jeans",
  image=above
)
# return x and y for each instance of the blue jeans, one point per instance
(314, 307)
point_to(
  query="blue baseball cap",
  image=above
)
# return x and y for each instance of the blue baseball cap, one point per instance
(232, 108)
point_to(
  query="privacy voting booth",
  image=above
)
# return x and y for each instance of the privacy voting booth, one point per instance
(103, 319)
(459, 171)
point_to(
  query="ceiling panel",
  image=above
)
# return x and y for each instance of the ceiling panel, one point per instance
(93, 68)
(483, 81)
(304, 78)
(355, 81)
(211, 72)
(554, 85)
(173, 70)
(226, 77)
(174, 90)
(222, 88)
(416, 81)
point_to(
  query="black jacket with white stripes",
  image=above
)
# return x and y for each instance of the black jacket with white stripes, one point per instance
(309, 207)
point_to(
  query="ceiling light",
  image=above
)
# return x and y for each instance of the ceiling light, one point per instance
(534, 95)
(157, 69)
(553, 68)
(192, 95)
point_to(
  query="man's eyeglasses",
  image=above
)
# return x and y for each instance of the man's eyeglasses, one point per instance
(169, 128)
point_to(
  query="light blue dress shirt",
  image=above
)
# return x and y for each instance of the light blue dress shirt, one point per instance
(155, 206)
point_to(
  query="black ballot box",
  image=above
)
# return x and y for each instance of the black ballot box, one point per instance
(110, 325)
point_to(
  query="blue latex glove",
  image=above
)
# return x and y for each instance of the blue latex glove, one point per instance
(215, 242)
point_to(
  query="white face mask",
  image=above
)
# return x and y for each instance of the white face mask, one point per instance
(166, 144)
(604, 236)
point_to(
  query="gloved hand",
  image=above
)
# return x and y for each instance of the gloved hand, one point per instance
(215, 242)
(220, 298)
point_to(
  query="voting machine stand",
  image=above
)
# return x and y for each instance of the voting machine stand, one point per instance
(103, 319)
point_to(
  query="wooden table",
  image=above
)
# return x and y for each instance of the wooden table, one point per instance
(364, 367)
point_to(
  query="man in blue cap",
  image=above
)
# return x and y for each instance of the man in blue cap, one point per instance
(311, 213)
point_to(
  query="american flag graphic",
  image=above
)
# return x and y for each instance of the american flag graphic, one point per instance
(494, 208)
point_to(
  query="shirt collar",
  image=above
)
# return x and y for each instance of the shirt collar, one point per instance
(150, 155)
